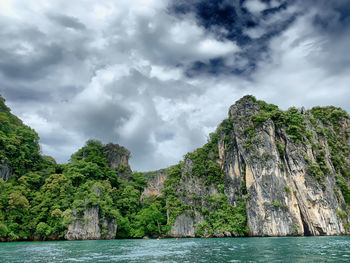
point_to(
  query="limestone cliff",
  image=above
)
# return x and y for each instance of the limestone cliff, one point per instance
(263, 172)
(117, 155)
(289, 170)
(118, 159)
(89, 226)
(285, 196)
(155, 183)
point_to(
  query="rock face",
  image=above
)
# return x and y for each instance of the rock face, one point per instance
(4, 171)
(284, 199)
(90, 226)
(155, 183)
(117, 155)
(118, 159)
(288, 174)
(185, 225)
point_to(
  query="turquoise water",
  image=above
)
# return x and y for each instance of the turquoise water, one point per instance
(288, 249)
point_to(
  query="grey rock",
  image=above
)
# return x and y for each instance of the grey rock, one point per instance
(155, 183)
(218, 234)
(227, 234)
(282, 199)
(117, 155)
(185, 225)
(87, 227)
(118, 159)
(306, 208)
(4, 171)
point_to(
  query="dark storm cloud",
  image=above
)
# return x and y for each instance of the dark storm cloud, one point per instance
(157, 76)
(334, 18)
(98, 120)
(128, 87)
(20, 92)
(230, 20)
(332, 24)
(23, 53)
(13, 66)
(66, 21)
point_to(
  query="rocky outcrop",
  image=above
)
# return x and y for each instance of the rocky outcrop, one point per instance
(185, 225)
(4, 171)
(118, 159)
(155, 183)
(117, 155)
(284, 199)
(285, 172)
(264, 172)
(193, 192)
(89, 226)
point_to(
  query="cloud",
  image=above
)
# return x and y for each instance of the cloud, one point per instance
(158, 76)
(66, 21)
(255, 6)
(307, 65)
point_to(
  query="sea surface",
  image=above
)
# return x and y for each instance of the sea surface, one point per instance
(282, 249)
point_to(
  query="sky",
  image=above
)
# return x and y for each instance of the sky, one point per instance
(157, 76)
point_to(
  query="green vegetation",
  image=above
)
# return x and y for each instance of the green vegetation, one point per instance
(315, 170)
(281, 150)
(328, 122)
(173, 202)
(344, 188)
(41, 198)
(287, 189)
(292, 120)
(330, 115)
(204, 164)
(151, 219)
(343, 216)
(276, 203)
(221, 216)
(296, 228)
(19, 147)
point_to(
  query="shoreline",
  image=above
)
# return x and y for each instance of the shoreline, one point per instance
(165, 237)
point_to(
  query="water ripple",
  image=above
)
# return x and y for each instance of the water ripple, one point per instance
(289, 249)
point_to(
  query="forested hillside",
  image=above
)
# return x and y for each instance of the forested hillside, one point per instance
(39, 199)
(263, 172)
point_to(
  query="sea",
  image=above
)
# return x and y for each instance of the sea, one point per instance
(254, 249)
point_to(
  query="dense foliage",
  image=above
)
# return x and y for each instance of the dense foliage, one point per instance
(328, 123)
(292, 120)
(19, 146)
(39, 198)
(330, 126)
(219, 215)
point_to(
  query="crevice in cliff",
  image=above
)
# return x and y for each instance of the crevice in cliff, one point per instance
(243, 168)
(307, 231)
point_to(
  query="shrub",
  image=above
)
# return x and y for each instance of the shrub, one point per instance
(315, 170)
(43, 229)
(287, 189)
(276, 203)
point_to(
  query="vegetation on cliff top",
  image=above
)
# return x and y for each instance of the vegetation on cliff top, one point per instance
(39, 196)
(219, 216)
(323, 125)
